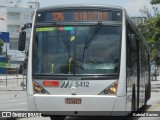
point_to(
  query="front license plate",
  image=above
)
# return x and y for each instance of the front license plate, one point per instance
(73, 101)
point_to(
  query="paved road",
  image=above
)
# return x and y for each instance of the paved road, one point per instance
(13, 101)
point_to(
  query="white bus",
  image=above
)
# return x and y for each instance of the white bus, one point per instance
(86, 60)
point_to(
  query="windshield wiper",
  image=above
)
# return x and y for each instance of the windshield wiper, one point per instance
(64, 41)
(57, 28)
(66, 44)
(89, 38)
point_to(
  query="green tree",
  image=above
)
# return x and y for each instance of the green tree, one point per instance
(151, 32)
(155, 2)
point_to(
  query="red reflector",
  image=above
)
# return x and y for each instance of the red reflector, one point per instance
(48, 83)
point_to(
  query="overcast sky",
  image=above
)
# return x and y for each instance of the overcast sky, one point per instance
(132, 6)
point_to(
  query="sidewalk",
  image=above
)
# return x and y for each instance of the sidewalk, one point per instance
(155, 84)
(11, 82)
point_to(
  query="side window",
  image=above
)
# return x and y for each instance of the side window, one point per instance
(131, 48)
(131, 51)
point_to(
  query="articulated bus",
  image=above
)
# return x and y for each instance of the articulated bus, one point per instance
(86, 60)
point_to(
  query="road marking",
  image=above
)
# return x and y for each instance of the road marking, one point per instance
(22, 103)
(154, 107)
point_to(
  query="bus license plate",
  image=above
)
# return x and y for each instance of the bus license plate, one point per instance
(73, 101)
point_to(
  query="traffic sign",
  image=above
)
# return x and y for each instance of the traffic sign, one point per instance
(4, 36)
(4, 65)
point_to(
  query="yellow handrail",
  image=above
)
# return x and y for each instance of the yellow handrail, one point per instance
(70, 60)
(52, 68)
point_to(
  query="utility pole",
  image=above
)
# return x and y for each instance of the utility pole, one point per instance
(6, 59)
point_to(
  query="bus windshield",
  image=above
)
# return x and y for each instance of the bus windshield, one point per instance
(77, 49)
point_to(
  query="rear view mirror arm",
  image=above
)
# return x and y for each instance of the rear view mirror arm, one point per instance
(27, 25)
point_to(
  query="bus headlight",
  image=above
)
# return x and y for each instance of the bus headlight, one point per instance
(38, 89)
(110, 90)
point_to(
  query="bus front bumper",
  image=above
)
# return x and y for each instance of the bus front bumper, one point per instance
(91, 105)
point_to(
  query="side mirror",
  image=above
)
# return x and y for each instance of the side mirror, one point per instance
(22, 41)
(27, 25)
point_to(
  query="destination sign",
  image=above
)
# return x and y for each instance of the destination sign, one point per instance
(79, 15)
(85, 16)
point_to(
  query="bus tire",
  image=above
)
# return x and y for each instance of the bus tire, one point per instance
(57, 117)
(133, 108)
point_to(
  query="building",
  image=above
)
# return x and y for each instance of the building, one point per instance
(13, 14)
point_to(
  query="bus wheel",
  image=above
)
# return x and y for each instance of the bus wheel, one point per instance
(57, 117)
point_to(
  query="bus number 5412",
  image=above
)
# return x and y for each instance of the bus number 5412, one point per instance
(82, 84)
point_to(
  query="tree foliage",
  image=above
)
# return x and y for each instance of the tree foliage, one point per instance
(155, 2)
(1, 42)
(147, 29)
(151, 31)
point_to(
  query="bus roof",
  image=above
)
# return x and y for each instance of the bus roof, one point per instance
(79, 6)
